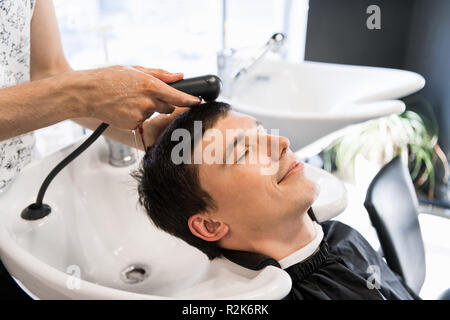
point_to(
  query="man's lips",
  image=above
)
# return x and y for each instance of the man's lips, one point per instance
(295, 167)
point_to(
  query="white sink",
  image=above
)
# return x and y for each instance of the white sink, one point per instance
(97, 230)
(309, 100)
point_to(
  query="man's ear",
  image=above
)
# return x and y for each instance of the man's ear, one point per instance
(207, 228)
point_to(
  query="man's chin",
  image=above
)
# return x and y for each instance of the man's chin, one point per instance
(308, 186)
(310, 191)
(315, 189)
(304, 193)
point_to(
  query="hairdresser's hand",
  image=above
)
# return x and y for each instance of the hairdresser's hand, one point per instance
(152, 128)
(124, 97)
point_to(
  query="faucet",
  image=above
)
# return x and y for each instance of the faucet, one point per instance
(225, 57)
(120, 155)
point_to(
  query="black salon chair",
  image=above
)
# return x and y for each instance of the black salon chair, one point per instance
(392, 204)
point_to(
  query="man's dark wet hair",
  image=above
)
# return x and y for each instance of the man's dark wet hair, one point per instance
(171, 193)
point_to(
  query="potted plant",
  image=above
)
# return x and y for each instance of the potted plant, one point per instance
(412, 135)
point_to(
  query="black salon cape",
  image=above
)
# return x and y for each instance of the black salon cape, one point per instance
(339, 270)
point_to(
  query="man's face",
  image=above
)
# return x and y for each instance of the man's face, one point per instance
(260, 186)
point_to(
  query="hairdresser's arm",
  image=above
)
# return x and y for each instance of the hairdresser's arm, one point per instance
(121, 96)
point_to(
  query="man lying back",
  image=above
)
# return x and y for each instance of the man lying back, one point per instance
(216, 179)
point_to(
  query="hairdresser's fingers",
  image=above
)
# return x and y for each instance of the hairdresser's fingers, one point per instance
(173, 96)
(153, 128)
(161, 74)
(161, 90)
(178, 111)
(163, 107)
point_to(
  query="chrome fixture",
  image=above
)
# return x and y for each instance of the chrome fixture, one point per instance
(225, 58)
(134, 273)
(274, 44)
(120, 155)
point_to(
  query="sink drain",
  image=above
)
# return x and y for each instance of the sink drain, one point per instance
(134, 274)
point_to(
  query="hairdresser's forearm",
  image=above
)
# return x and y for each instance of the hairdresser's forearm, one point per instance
(119, 135)
(33, 105)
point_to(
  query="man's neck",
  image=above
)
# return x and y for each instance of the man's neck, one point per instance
(287, 239)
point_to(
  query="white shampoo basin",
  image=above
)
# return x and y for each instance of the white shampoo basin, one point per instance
(309, 100)
(97, 233)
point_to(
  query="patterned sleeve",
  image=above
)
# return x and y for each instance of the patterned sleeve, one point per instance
(32, 5)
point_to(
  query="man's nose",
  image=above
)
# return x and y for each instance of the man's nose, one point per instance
(277, 146)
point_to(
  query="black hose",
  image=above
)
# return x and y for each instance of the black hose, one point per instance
(94, 136)
(38, 210)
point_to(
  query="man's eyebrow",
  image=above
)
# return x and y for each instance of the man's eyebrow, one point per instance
(237, 139)
(231, 147)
